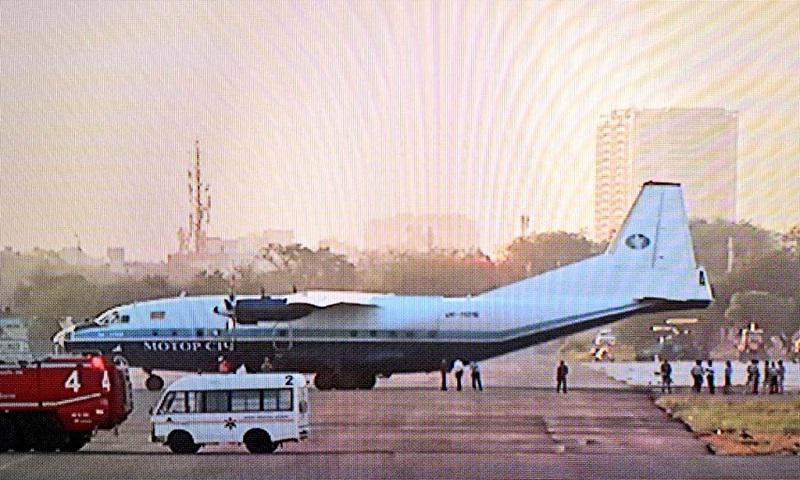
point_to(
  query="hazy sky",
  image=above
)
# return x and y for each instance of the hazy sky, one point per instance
(319, 116)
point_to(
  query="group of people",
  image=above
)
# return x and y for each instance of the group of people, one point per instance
(225, 366)
(699, 372)
(774, 374)
(458, 372)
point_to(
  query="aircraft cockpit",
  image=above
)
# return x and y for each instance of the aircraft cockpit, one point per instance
(110, 318)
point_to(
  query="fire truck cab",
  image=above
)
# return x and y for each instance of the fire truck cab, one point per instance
(57, 403)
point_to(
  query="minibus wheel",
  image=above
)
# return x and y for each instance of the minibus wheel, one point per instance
(258, 441)
(182, 442)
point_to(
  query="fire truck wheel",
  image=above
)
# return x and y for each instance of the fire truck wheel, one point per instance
(154, 383)
(43, 434)
(8, 435)
(180, 441)
(258, 441)
(76, 441)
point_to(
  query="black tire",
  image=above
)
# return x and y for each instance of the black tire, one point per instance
(180, 441)
(323, 381)
(154, 383)
(258, 441)
(366, 381)
(42, 433)
(8, 435)
(76, 441)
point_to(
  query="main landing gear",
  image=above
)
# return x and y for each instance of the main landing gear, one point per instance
(153, 383)
(344, 380)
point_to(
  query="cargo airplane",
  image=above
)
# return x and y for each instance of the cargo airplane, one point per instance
(348, 338)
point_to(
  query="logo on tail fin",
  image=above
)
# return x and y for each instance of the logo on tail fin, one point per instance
(637, 241)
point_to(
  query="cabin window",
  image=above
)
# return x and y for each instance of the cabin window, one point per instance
(354, 333)
(125, 319)
(194, 402)
(392, 333)
(277, 399)
(432, 333)
(409, 334)
(282, 333)
(373, 333)
(217, 401)
(199, 332)
(158, 315)
(245, 400)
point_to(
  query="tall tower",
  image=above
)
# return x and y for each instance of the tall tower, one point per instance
(612, 190)
(194, 239)
(696, 147)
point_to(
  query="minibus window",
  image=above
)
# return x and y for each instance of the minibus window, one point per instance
(217, 401)
(270, 400)
(245, 401)
(285, 399)
(193, 402)
(166, 403)
(178, 405)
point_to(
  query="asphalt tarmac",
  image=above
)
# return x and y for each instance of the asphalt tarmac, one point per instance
(408, 429)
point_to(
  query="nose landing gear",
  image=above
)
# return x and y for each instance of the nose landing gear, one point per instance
(153, 383)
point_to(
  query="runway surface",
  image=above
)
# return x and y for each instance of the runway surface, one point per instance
(408, 429)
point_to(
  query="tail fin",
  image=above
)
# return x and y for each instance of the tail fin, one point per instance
(656, 244)
(655, 233)
(652, 257)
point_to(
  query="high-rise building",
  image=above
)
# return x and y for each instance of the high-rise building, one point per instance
(693, 146)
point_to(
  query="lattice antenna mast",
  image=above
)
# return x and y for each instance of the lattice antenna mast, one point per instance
(201, 208)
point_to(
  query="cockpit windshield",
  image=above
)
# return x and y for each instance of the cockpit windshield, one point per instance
(110, 318)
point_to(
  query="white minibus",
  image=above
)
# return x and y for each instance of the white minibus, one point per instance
(261, 410)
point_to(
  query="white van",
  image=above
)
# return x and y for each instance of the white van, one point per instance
(261, 410)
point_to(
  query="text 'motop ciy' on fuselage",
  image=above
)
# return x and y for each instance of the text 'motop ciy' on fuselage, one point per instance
(347, 338)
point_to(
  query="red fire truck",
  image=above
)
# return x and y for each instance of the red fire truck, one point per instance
(57, 403)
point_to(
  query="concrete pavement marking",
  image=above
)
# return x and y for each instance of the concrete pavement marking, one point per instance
(15, 461)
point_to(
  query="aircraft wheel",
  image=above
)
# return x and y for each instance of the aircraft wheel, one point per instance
(349, 381)
(8, 435)
(323, 381)
(182, 442)
(366, 381)
(154, 383)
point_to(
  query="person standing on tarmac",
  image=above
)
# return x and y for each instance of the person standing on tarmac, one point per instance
(561, 377)
(475, 373)
(767, 374)
(666, 377)
(753, 375)
(266, 367)
(697, 376)
(443, 370)
(726, 389)
(773, 378)
(224, 365)
(458, 368)
(710, 378)
(781, 375)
